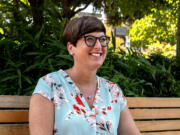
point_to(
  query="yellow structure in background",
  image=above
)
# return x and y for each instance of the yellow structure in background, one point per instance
(119, 41)
(163, 48)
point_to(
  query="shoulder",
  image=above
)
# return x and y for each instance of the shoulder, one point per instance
(107, 83)
(112, 87)
(114, 90)
(52, 78)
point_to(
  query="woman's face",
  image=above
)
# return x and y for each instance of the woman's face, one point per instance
(89, 56)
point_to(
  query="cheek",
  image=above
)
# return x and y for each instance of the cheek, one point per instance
(105, 50)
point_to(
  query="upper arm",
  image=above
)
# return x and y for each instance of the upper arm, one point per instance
(127, 125)
(41, 116)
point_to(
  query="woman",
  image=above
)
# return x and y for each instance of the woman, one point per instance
(77, 101)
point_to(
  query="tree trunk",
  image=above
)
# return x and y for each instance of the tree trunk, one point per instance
(37, 12)
(178, 34)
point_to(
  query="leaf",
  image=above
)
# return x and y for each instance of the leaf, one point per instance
(35, 53)
(66, 57)
(19, 78)
(113, 40)
(13, 77)
(27, 79)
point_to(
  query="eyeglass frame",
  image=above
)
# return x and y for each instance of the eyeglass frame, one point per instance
(96, 38)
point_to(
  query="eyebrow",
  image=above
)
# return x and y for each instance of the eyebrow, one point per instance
(94, 36)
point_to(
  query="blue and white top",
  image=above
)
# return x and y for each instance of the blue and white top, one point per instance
(73, 116)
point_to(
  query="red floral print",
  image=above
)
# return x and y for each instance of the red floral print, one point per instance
(103, 112)
(115, 101)
(110, 83)
(109, 107)
(79, 101)
(77, 109)
(83, 111)
(117, 94)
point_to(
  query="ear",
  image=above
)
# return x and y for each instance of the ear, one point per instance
(70, 48)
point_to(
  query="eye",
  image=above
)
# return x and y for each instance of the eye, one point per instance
(102, 39)
(90, 39)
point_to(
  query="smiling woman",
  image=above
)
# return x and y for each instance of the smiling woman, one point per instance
(68, 99)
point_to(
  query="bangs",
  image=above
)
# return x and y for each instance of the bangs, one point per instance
(90, 25)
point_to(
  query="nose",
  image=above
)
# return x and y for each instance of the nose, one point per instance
(98, 44)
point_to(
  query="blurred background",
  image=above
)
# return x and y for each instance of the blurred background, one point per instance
(143, 55)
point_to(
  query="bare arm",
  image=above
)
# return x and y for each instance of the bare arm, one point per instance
(127, 125)
(41, 116)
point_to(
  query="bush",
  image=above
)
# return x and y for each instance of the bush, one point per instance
(27, 54)
(140, 76)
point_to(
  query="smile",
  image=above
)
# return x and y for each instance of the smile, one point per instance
(96, 54)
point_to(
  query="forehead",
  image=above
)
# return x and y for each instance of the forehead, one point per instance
(96, 34)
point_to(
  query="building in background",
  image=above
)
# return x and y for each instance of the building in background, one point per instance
(122, 33)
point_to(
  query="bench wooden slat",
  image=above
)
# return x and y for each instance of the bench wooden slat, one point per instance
(22, 115)
(15, 129)
(158, 125)
(142, 102)
(8, 116)
(155, 113)
(133, 102)
(14, 101)
(163, 133)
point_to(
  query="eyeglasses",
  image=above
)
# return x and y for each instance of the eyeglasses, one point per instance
(91, 40)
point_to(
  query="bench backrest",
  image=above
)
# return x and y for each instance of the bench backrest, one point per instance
(156, 116)
(153, 116)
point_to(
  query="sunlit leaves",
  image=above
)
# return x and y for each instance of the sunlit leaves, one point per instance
(160, 26)
(26, 2)
(1, 31)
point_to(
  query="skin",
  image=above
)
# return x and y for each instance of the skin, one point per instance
(41, 116)
(83, 73)
(127, 125)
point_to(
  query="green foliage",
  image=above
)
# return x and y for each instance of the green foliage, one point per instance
(163, 48)
(127, 11)
(22, 65)
(26, 55)
(139, 76)
(160, 26)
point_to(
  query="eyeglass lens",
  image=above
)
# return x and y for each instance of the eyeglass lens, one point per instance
(91, 40)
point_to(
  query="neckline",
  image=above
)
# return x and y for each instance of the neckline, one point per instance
(76, 90)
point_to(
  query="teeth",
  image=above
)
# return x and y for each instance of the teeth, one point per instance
(95, 54)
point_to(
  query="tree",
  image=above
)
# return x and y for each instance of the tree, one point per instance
(178, 33)
(117, 11)
(160, 25)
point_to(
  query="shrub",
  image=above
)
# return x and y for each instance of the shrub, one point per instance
(140, 76)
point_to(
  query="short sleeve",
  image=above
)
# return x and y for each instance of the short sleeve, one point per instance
(118, 94)
(44, 87)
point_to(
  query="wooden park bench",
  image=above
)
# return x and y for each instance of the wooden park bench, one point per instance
(153, 116)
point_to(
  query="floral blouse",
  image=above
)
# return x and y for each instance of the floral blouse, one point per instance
(73, 116)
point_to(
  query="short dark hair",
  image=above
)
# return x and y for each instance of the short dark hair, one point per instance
(80, 26)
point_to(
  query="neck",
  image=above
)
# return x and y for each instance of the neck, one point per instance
(82, 76)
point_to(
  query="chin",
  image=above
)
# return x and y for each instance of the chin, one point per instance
(96, 66)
